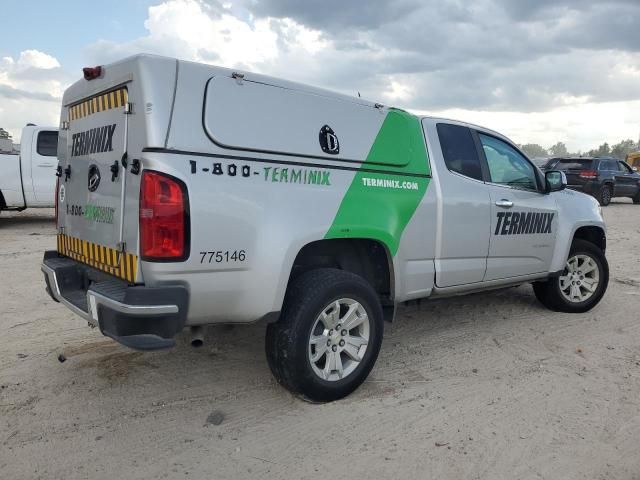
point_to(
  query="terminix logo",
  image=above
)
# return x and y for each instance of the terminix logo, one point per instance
(95, 140)
(329, 140)
(94, 178)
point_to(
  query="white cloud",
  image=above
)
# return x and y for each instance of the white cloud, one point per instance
(231, 35)
(398, 91)
(31, 88)
(445, 61)
(226, 37)
(580, 126)
(191, 30)
(36, 59)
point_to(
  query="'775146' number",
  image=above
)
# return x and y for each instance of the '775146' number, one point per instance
(223, 256)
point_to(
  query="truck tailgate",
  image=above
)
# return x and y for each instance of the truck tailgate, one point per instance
(92, 180)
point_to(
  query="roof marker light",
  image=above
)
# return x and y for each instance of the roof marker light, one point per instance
(91, 73)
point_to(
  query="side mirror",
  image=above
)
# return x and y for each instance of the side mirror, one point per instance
(635, 169)
(555, 181)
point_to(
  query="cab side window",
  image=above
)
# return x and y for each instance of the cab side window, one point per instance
(507, 166)
(608, 165)
(459, 150)
(47, 143)
(624, 167)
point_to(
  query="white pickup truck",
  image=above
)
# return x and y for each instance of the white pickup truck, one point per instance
(200, 195)
(28, 177)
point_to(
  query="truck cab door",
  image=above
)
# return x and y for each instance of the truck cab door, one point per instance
(523, 218)
(464, 212)
(626, 181)
(44, 160)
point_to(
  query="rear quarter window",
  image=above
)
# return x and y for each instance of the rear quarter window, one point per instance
(608, 165)
(459, 150)
(47, 145)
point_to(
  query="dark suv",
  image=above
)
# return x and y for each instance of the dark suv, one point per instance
(602, 177)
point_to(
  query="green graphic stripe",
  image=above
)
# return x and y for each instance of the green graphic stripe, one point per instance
(379, 206)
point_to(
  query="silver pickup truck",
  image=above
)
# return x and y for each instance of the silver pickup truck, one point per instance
(197, 195)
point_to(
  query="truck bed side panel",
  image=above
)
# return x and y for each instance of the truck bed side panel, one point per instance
(10, 181)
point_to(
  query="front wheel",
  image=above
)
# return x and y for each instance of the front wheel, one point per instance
(636, 198)
(582, 283)
(328, 337)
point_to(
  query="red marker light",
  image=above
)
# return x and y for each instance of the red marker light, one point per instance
(91, 73)
(588, 174)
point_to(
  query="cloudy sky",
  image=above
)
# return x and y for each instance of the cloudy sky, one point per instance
(539, 71)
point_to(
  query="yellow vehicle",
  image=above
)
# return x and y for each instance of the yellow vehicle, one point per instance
(633, 160)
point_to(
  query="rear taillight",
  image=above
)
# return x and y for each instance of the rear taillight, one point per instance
(588, 174)
(91, 73)
(164, 218)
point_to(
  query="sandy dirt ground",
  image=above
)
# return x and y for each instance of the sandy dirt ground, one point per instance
(488, 386)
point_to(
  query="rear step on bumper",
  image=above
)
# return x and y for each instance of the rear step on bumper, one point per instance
(144, 318)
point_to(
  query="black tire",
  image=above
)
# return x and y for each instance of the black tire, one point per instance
(604, 195)
(287, 340)
(550, 295)
(636, 198)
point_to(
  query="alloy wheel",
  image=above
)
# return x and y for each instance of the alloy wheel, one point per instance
(339, 339)
(580, 278)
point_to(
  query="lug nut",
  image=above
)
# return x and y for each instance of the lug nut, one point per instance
(331, 332)
(343, 333)
(334, 348)
(342, 343)
(328, 343)
(338, 326)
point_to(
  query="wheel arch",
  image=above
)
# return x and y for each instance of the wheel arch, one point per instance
(593, 234)
(368, 258)
(592, 231)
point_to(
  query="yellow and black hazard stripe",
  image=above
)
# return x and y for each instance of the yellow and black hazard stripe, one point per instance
(109, 260)
(99, 103)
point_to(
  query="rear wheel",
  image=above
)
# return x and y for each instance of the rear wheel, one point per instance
(582, 283)
(328, 336)
(636, 198)
(605, 194)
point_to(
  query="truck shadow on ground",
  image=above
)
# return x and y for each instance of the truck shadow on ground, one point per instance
(43, 220)
(232, 360)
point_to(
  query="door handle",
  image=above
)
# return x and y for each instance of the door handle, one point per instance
(504, 203)
(45, 164)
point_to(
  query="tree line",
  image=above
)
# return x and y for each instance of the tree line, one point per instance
(618, 150)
